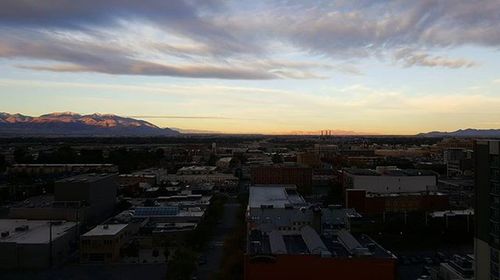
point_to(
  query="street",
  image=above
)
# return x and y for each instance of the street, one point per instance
(214, 251)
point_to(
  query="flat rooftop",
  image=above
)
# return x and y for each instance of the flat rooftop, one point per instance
(32, 231)
(106, 230)
(276, 196)
(457, 182)
(63, 164)
(197, 168)
(423, 193)
(308, 242)
(441, 214)
(86, 178)
(396, 172)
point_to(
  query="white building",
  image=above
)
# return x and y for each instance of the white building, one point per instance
(389, 180)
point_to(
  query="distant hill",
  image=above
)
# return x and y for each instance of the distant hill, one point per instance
(469, 132)
(75, 125)
(196, 131)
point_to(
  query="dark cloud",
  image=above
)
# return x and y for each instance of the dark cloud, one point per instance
(84, 56)
(228, 42)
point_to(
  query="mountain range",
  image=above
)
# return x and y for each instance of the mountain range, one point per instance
(469, 132)
(76, 125)
(68, 124)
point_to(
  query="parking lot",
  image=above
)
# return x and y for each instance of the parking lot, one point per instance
(418, 265)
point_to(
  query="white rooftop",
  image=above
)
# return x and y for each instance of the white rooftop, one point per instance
(33, 231)
(440, 214)
(106, 230)
(274, 195)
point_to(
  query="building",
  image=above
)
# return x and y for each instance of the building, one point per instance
(487, 209)
(227, 164)
(102, 244)
(458, 221)
(126, 180)
(57, 169)
(28, 244)
(406, 153)
(379, 203)
(459, 190)
(192, 170)
(391, 190)
(220, 181)
(458, 162)
(98, 191)
(45, 208)
(309, 159)
(170, 214)
(457, 268)
(386, 180)
(288, 238)
(283, 174)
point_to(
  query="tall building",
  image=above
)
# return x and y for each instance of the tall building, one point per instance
(98, 191)
(458, 162)
(487, 209)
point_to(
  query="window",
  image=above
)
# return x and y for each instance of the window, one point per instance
(495, 174)
(495, 160)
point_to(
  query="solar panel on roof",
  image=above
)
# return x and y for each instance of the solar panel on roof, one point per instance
(157, 211)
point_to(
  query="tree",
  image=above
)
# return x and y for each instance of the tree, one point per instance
(3, 163)
(182, 264)
(212, 160)
(277, 158)
(21, 155)
(91, 156)
(64, 154)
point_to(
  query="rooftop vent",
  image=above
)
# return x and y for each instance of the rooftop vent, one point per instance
(22, 228)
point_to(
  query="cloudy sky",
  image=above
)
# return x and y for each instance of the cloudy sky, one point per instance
(394, 67)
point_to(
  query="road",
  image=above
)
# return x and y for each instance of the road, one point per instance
(214, 251)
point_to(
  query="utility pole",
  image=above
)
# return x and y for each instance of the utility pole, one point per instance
(50, 244)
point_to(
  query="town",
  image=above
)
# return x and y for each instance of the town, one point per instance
(247, 207)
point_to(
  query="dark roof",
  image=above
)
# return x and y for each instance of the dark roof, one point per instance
(86, 178)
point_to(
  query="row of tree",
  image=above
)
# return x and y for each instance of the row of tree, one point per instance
(126, 159)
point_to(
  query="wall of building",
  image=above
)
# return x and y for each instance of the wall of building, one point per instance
(35, 256)
(99, 194)
(300, 267)
(49, 213)
(104, 248)
(364, 204)
(487, 205)
(391, 184)
(299, 176)
(482, 259)
(309, 159)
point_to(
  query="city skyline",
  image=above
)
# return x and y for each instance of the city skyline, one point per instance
(261, 67)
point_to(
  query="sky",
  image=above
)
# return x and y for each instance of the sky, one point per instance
(262, 66)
